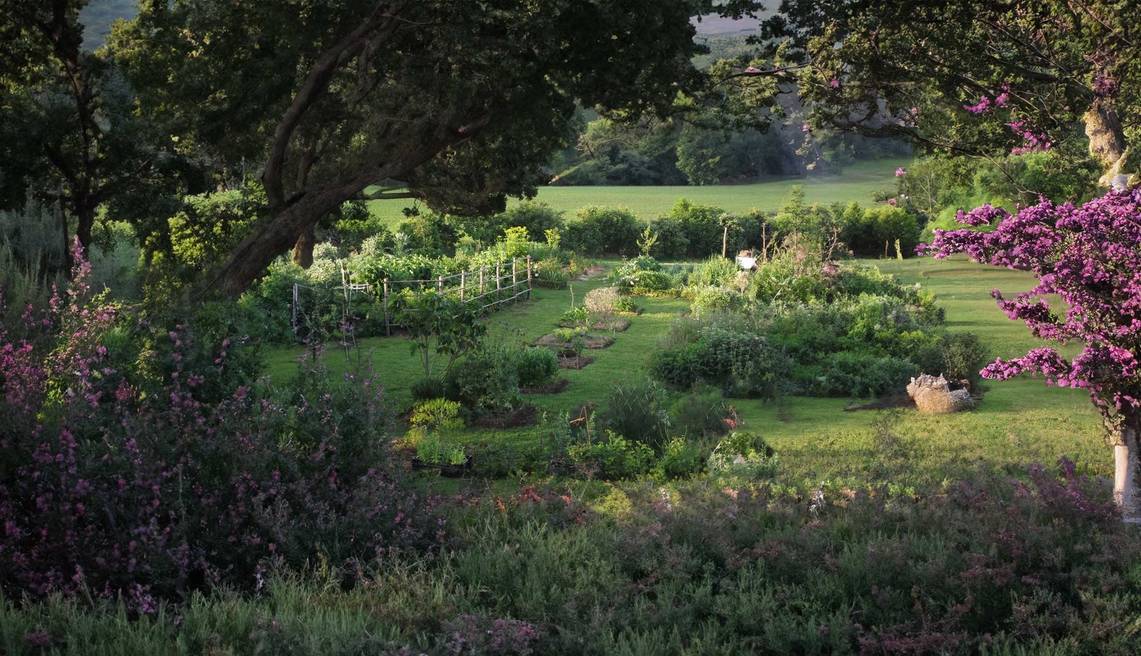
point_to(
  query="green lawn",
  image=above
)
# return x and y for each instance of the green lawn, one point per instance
(858, 182)
(1018, 422)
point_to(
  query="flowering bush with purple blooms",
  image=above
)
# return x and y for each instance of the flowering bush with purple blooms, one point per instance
(1090, 257)
(144, 473)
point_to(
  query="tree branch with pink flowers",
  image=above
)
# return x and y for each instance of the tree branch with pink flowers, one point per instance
(1089, 256)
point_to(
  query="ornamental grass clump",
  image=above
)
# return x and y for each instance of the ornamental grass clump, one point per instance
(1090, 257)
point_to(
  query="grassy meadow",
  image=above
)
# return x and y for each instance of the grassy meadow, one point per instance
(858, 182)
(1018, 422)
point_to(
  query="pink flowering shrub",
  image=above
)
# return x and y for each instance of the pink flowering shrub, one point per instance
(139, 466)
(1090, 257)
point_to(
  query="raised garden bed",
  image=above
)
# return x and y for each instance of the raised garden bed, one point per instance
(525, 415)
(574, 361)
(590, 341)
(554, 387)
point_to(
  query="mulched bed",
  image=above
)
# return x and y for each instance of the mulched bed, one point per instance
(574, 362)
(525, 415)
(591, 342)
(554, 387)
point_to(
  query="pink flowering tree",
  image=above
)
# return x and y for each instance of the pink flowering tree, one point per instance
(1089, 256)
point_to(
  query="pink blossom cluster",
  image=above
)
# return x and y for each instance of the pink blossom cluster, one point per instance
(1090, 257)
(986, 103)
(1032, 141)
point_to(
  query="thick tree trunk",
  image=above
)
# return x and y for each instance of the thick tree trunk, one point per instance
(1107, 143)
(248, 261)
(303, 247)
(1127, 473)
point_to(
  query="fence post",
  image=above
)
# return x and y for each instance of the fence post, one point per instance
(463, 282)
(440, 284)
(481, 268)
(530, 285)
(387, 319)
(498, 277)
(293, 313)
(514, 273)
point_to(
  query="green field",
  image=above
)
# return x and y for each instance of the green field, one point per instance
(859, 182)
(1019, 421)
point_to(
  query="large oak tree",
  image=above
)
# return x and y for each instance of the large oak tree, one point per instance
(453, 102)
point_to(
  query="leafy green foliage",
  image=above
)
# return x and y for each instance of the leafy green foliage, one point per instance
(536, 366)
(680, 459)
(485, 381)
(450, 324)
(744, 455)
(602, 230)
(637, 410)
(701, 413)
(436, 414)
(614, 457)
(863, 374)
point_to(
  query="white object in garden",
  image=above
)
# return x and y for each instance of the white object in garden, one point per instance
(746, 263)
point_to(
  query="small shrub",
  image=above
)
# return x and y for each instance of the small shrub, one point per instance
(963, 357)
(577, 316)
(649, 282)
(425, 389)
(745, 455)
(716, 299)
(602, 231)
(743, 363)
(613, 458)
(434, 449)
(636, 410)
(536, 366)
(680, 368)
(680, 459)
(437, 414)
(485, 382)
(716, 271)
(862, 375)
(626, 305)
(701, 413)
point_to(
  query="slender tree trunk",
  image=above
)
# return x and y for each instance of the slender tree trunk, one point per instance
(303, 247)
(1127, 471)
(1107, 143)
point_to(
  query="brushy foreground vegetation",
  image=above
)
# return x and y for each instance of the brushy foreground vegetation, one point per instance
(994, 565)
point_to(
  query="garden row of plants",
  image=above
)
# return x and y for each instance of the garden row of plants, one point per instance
(799, 324)
(325, 309)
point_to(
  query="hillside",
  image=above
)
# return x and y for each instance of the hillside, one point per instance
(98, 16)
